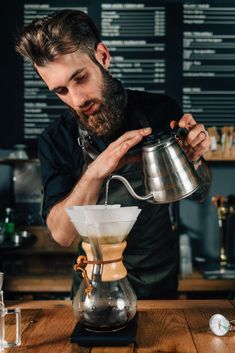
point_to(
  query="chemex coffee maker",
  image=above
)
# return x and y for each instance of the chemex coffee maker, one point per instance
(105, 302)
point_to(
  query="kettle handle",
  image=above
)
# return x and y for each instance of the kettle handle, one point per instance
(179, 131)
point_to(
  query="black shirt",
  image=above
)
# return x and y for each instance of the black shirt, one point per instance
(151, 253)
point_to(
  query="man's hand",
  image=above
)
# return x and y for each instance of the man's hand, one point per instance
(87, 189)
(197, 141)
(113, 157)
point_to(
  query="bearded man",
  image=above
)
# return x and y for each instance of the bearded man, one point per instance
(107, 120)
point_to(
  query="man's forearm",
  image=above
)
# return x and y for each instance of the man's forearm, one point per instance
(204, 175)
(85, 192)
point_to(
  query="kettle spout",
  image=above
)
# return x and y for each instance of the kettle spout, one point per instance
(128, 186)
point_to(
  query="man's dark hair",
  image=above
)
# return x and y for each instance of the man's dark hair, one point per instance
(61, 33)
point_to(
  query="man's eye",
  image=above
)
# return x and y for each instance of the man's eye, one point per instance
(79, 79)
(61, 91)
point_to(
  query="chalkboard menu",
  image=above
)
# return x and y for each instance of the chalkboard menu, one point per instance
(185, 49)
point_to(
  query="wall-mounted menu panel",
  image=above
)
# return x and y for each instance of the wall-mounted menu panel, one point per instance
(185, 49)
(209, 62)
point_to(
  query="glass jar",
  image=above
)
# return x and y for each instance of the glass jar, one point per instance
(19, 152)
(109, 306)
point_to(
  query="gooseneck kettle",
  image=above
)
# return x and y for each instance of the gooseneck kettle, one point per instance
(169, 176)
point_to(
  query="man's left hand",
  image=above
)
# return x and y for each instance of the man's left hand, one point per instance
(197, 141)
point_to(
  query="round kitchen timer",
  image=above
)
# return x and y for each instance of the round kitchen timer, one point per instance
(219, 325)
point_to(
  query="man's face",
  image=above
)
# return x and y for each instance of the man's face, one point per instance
(88, 88)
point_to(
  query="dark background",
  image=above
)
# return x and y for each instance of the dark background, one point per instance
(199, 221)
(12, 89)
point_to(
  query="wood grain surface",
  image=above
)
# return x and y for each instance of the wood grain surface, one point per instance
(163, 326)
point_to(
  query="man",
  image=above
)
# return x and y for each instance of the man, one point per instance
(66, 51)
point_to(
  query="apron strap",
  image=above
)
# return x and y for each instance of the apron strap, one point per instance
(85, 142)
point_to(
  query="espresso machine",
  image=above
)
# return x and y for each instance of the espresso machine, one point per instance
(105, 303)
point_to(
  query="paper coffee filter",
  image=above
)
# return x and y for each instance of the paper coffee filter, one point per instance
(80, 227)
(76, 213)
(121, 214)
(107, 232)
(103, 221)
(101, 213)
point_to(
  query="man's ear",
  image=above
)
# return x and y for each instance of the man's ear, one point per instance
(102, 55)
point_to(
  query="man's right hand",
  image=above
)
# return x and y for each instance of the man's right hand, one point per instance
(87, 189)
(113, 157)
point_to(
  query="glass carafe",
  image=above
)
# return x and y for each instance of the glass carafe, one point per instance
(105, 300)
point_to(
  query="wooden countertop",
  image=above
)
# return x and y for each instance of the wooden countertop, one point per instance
(163, 326)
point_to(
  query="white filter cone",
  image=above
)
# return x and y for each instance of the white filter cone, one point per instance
(108, 224)
(77, 213)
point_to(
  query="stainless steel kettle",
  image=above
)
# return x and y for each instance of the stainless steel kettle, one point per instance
(168, 174)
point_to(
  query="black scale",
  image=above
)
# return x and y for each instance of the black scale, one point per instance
(122, 337)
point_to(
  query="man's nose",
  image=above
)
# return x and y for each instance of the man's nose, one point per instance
(77, 98)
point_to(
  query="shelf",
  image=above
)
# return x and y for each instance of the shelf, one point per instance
(220, 156)
(196, 283)
(38, 283)
(219, 159)
(44, 245)
(13, 162)
(62, 283)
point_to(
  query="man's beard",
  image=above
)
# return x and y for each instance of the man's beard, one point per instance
(108, 120)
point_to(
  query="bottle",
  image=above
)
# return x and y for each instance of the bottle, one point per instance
(19, 152)
(9, 222)
(186, 264)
